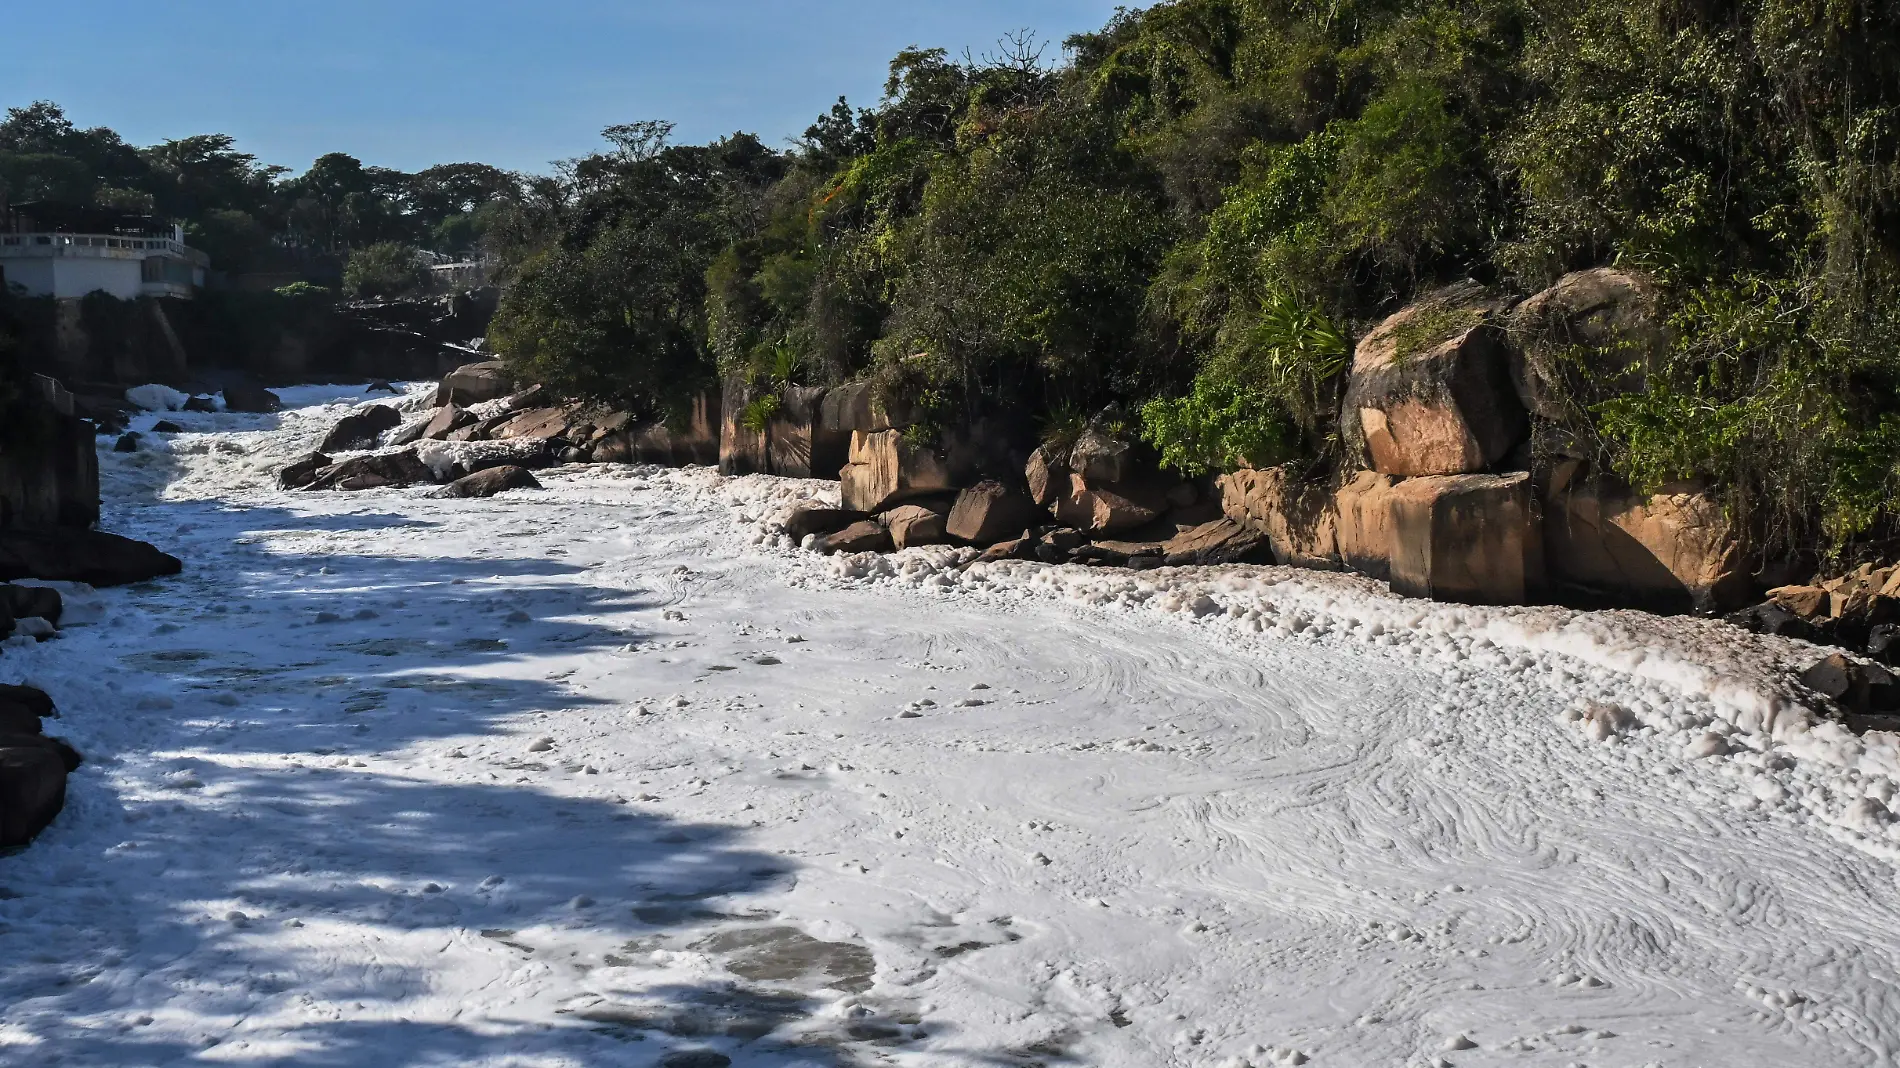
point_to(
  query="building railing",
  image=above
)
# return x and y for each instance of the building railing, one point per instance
(108, 246)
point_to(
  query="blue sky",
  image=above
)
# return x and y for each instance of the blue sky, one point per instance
(409, 83)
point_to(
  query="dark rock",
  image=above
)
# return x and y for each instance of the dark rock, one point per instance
(1883, 643)
(361, 429)
(446, 421)
(375, 471)
(303, 472)
(1115, 552)
(17, 719)
(28, 601)
(1856, 687)
(572, 455)
(128, 442)
(166, 426)
(865, 536)
(695, 1058)
(1773, 618)
(90, 556)
(201, 404)
(989, 512)
(69, 757)
(31, 698)
(32, 792)
(380, 386)
(491, 481)
(804, 521)
(914, 524)
(1222, 541)
(250, 398)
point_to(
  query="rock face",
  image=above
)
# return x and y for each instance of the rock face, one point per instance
(742, 450)
(1606, 316)
(791, 444)
(913, 524)
(29, 602)
(487, 483)
(446, 421)
(361, 429)
(1363, 523)
(75, 555)
(886, 470)
(403, 468)
(694, 439)
(1466, 538)
(474, 383)
(1673, 550)
(990, 512)
(1856, 687)
(245, 397)
(1099, 458)
(1222, 541)
(1431, 392)
(301, 473)
(1300, 521)
(865, 536)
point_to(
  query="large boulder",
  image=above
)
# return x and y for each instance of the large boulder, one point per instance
(303, 471)
(248, 397)
(990, 512)
(75, 555)
(446, 420)
(541, 424)
(1048, 476)
(1430, 391)
(1099, 458)
(375, 471)
(1112, 507)
(1363, 523)
(32, 792)
(886, 469)
(1592, 332)
(866, 536)
(914, 524)
(27, 602)
(1466, 538)
(815, 519)
(493, 480)
(1671, 550)
(361, 430)
(474, 383)
(1299, 519)
(1222, 541)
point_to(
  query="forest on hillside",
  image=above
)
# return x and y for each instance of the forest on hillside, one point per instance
(1178, 225)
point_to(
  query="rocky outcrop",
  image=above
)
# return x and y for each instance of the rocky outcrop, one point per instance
(374, 471)
(302, 472)
(49, 463)
(493, 480)
(1672, 550)
(362, 429)
(78, 555)
(1363, 523)
(1298, 519)
(742, 449)
(1430, 391)
(1465, 538)
(990, 512)
(474, 383)
(1222, 541)
(32, 791)
(886, 469)
(692, 439)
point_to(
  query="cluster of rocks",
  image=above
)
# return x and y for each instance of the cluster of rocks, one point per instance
(482, 402)
(1859, 610)
(33, 766)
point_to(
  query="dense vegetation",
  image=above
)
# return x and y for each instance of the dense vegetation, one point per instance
(1184, 224)
(1181, 226)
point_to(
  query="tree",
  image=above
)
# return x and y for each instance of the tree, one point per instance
(386, 270)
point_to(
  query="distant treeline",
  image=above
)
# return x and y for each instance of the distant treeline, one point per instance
(248, 216)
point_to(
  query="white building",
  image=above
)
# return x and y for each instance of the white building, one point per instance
(50, 250)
